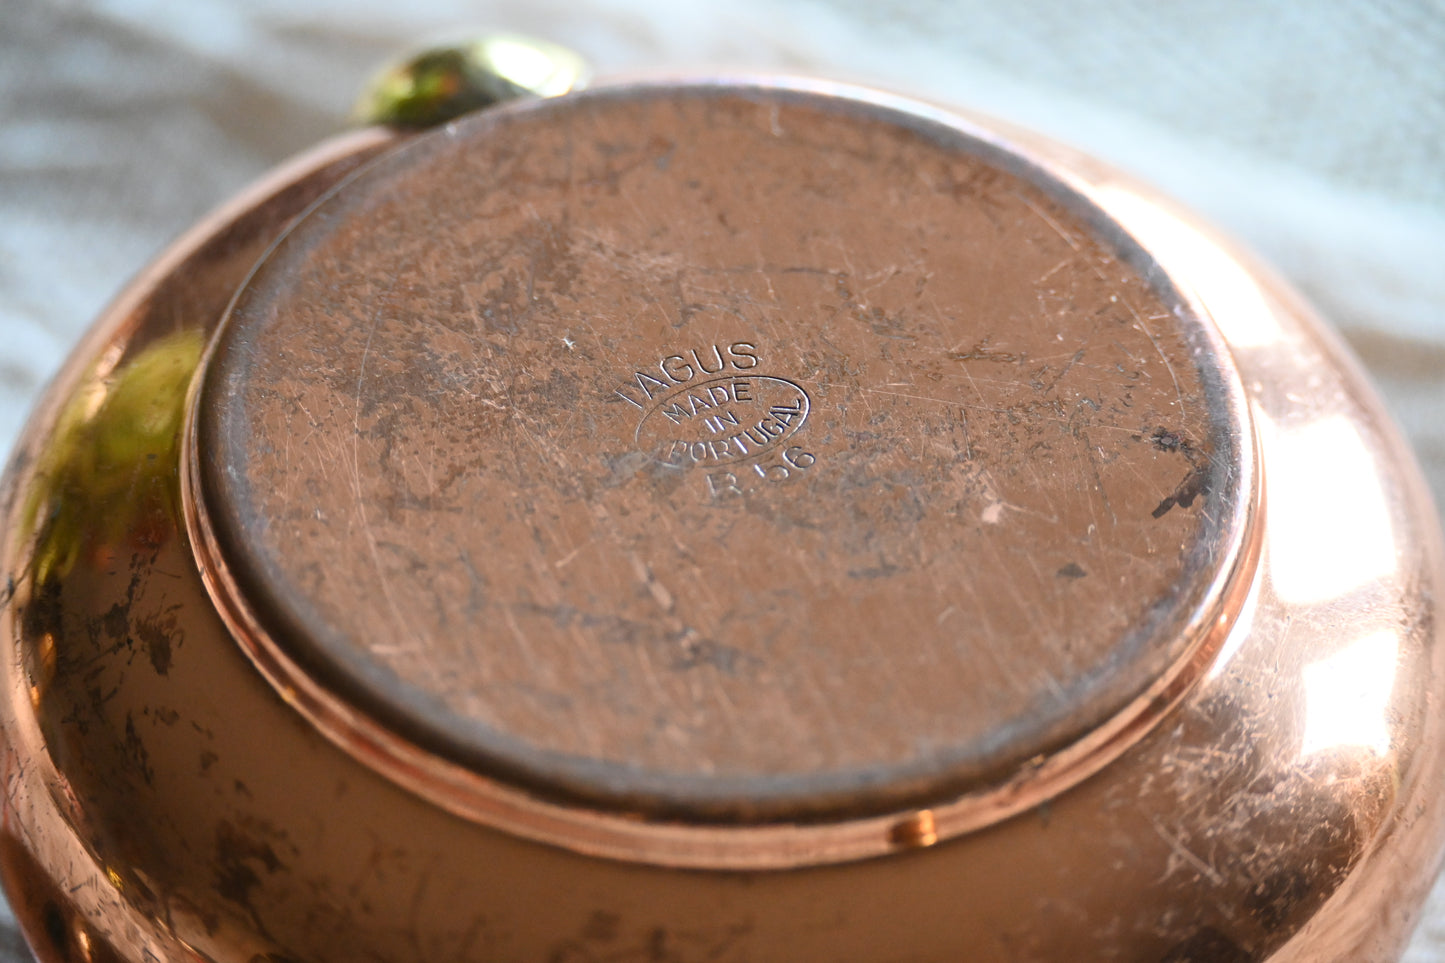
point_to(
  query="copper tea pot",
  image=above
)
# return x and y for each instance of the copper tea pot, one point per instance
(744, 519)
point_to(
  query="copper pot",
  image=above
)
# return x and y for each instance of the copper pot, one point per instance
(725, 520)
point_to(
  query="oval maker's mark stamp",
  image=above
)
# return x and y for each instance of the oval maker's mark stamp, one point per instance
(708, 407)
(722, 420)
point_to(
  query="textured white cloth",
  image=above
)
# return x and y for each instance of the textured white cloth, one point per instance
(1315, 132)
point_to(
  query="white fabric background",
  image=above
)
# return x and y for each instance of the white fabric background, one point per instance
(1314, 131)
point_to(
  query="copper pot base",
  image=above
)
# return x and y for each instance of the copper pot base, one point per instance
(758, 521)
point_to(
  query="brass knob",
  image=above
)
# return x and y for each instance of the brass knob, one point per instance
(716, 520)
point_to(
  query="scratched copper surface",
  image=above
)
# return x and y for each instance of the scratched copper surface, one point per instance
(736, 453)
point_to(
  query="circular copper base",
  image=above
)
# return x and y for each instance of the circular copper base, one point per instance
(729, 456)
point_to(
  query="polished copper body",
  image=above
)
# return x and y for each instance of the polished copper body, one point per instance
(1248, 775)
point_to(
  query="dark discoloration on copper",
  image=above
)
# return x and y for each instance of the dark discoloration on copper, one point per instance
(436, 455)
(1209, 946)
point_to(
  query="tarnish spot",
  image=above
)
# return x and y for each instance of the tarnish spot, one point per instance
(1189, 489)
(1208, 946)
(135, 750)
(157, 644)
(239, 856)
(602, 927)
(1194, 483)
